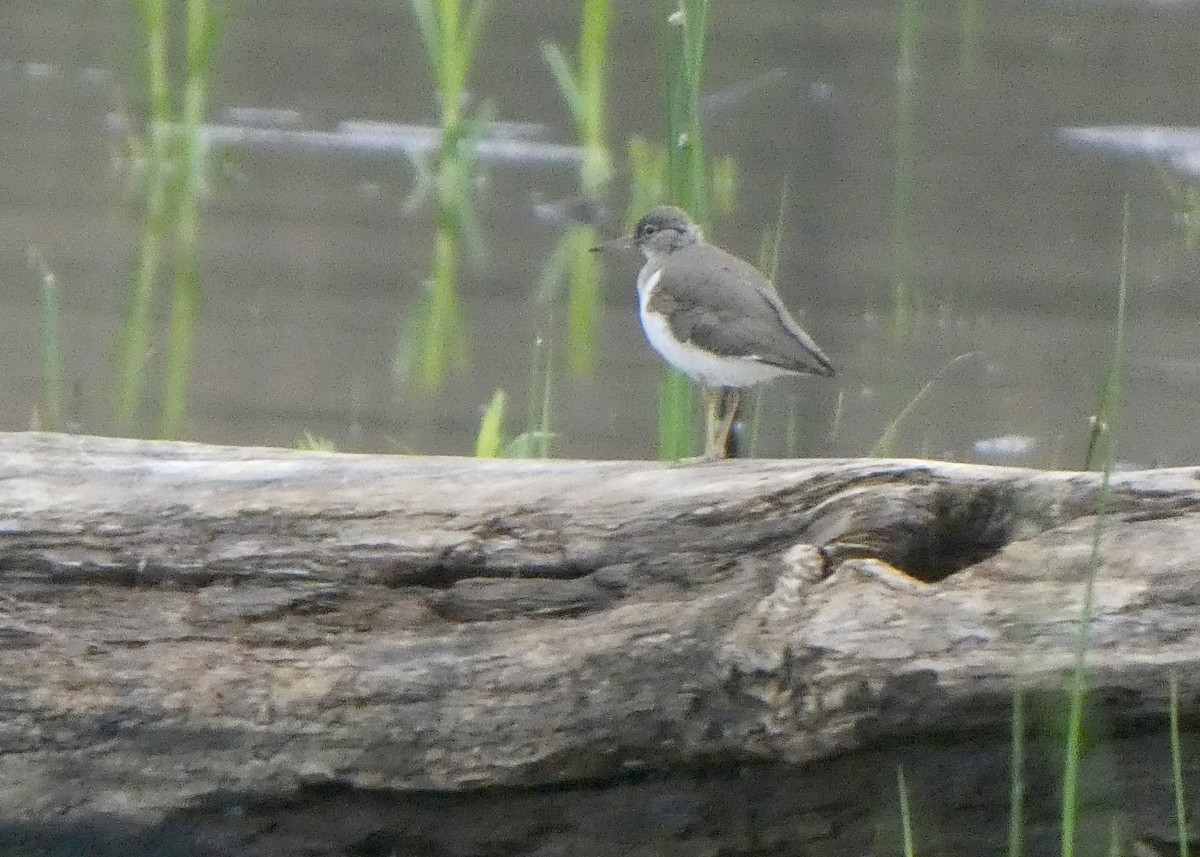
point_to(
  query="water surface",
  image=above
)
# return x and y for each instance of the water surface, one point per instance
(311, 264)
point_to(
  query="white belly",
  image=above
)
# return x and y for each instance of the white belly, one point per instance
(701, 366)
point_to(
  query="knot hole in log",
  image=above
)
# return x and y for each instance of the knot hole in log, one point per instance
(926, 531)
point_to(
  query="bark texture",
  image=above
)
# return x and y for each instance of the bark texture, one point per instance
(261, 651)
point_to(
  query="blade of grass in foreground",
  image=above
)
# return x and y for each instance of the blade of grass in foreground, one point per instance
(1107, 450)
(1181, 824)
(1016, 790)
(905, 814)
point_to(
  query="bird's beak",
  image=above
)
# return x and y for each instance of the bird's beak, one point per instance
(625, 242)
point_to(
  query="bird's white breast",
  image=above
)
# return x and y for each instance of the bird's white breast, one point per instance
(707, 368)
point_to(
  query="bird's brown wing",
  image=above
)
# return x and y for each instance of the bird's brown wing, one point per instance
(731, 309)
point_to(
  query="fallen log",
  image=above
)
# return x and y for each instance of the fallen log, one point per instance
(262, 651)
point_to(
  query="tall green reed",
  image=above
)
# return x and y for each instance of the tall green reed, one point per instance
(173, 171)
(583, 88)
(904, 302)
(1104, 445)
(686, 166)
(435, 340)
(683, 44)
(450, 31)
(134, 348)
(185, 303)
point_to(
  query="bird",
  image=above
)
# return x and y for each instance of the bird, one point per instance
(714, 317)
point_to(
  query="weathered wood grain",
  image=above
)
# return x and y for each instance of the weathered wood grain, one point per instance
(189, 634)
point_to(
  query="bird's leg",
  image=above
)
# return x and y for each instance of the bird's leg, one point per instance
(730, 400)
(712, 415)
(717, 421)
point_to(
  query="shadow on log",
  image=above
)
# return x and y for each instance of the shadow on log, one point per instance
(212, 650)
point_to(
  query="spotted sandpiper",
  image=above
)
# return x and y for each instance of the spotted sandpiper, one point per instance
(714, 317)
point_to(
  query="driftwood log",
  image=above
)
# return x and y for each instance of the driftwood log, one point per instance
(208, 650)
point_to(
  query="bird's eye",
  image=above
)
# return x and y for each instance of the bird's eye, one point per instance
(648, 229)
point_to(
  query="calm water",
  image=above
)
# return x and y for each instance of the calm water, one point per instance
(310, 264)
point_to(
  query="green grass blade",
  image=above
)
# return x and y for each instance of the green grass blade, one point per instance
(154, 29)
(647, 165)
(676, 430)
(904, 177)
(134, 344)
(190, 163)
(756, 412)
(695, 31)
(970, 26)
(185, 313)
(1079, 682)
(451, 60)
(593, 62)
(1181, 805)
(542, 433)
(682, 49)
(773, 240)
(1101, 437)
(133, 347)
(583, 300)
(309, 442)
(768, 262)
(433, 342)
(54, 409)
(535, 441)
(1016, 788)
(476, 18)
(791, 435)
(1116, 839)
(723, 185)
(425, 12)
(906, 827)
(445, 340)
(490, 442)
(204, 27)
(565, 78)
(886, 443)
